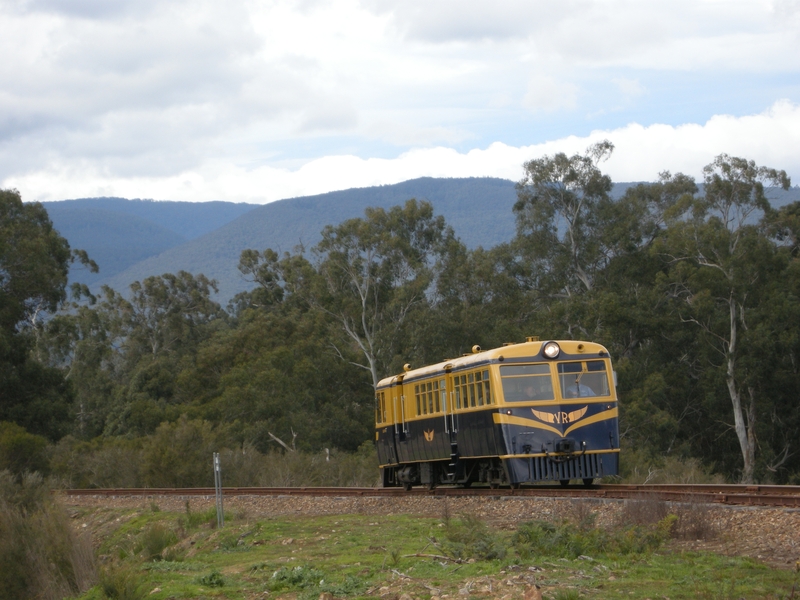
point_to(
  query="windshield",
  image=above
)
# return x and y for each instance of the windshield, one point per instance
(523, 383)
(583, 379)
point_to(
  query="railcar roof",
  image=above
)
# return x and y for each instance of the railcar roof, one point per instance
(572, 348)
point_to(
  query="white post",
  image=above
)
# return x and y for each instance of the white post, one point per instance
(218, 491)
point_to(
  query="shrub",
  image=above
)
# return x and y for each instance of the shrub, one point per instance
(121, 584)
(565, 540)
(296, 578)
(21, 451)
(469, 537)
(40, 555)
(155, 539)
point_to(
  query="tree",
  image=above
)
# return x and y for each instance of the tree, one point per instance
(720, 263)
(34, 263)
(559, 202)
(373, 272)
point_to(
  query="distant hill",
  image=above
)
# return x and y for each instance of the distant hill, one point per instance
(188, 219)
(478, 209)
(118, 233)
(133, 239)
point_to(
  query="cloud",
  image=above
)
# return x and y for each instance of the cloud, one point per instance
(642, 152)
(630, 88)
(545, 93)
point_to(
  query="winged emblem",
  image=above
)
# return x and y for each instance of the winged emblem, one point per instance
(560, 417)
(428, 435)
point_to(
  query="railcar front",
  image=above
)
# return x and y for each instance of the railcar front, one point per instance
(558, 415)
(522, 413)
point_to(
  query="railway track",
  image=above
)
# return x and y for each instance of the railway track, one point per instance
(740, 495)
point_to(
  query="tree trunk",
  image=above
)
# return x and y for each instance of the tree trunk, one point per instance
(744, 429)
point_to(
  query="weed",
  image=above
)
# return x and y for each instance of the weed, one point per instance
(693, 521)
(541, 538)
(213, 579)
(566, 595)
(154, 507)
(469, 537)
(170, 566)
(646, 510)
(193, 520)
(121, 584)
(351, 586)
(40, 555)
(297, 578)
(394, 557)
(155, 539)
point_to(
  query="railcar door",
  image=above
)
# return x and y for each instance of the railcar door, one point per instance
(401, 421)
(384, 428)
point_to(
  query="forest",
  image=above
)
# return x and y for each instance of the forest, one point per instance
(692, 288)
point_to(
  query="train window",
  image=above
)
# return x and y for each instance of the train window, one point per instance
(527, 383)
(471, 389)
(380, 408)
(443, 394)
(479, 388)
(429, 387)
(583, 379)
(487, 390)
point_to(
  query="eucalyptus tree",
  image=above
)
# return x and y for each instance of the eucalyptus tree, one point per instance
(34, 264)
(720, 265)
(373, 272)
(559, 202)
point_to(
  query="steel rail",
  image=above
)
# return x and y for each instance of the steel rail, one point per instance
(741, 495)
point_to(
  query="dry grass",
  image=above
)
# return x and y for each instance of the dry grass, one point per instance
(40, 555)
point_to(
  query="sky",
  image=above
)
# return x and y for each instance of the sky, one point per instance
(258, 100)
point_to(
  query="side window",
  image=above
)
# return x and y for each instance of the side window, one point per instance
(380, 408)
(487, 389)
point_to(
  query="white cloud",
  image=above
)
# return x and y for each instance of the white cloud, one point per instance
(169, 99)
(630, 88)
(545, 93)
(770, 138)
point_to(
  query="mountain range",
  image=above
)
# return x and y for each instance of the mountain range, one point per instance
(134, 239)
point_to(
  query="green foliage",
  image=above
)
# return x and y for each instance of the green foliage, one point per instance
(179, 455)
(21, 451)
(155, 539)
(566, 540)
(121, 583)
(295, 578)
(213, 579)
(469, 537)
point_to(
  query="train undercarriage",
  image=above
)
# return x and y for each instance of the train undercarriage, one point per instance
(497, 472)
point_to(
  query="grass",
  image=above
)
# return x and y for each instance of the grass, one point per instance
(356, 556)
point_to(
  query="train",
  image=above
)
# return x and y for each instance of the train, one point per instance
(528, 412)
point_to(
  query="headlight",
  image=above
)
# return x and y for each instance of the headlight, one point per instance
(551, 350)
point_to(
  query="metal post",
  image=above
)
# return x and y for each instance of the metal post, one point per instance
(218, 492)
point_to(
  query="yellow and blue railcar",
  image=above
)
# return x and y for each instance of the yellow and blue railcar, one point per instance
(528, 412)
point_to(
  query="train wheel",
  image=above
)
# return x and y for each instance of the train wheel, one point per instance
(407, 486)
(493, 485)
(564, 482)
(514, 486)
(587, 481)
